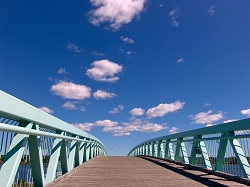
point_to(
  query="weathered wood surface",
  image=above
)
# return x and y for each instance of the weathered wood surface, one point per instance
(121, 171)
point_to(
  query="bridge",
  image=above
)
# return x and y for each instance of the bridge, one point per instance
(38, 149)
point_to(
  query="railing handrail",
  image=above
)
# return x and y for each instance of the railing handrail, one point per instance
(15, 109)
(216, 129)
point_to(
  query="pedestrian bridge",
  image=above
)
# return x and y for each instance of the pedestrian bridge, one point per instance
(38, 149)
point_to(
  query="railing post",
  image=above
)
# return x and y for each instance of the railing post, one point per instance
(90, 150)
(85, 152)
(177, 149)
(72, 153)
(81, 152)
(77, 153)
(166, 149)
(153, 149)
(159, 153)
(149, 149)
(221, 153)
(36, 158)
(13, 157)
(64, 157)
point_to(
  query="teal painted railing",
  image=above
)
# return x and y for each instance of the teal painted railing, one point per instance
(223, 148)
(36, 147)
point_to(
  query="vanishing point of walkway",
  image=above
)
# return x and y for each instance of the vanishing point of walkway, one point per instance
(108, 171)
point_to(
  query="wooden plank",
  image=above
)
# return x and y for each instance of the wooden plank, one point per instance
(111, 171)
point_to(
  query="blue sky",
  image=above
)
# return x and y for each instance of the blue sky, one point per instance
(127, 71)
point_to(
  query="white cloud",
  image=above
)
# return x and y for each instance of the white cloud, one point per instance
(137, 112)
(151, 127)
(211, 10)
(46, 109)
(71, 90)
(206, 117)
(125, 130)
(207, 104)
(62, 71)
(174, 14)
(180, 60)
(173, 130)
(100, 94)
(84, 126)
(106, 123)
(95, 53)
(131, 53)
(121, 107)
(163, 109)
(69, 105)
(116, 109)
(230, 120)
(122, 130)
(104, 71)
(73, 47)
(246, 112)
(82, 108)
(122, 134)
(209, 125)
(127, 40)
(115, 12)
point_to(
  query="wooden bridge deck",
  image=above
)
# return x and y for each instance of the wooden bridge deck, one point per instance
(135, 171)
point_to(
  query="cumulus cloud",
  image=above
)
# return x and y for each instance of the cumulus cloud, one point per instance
(69, 105)
(73, 47)
(127, 40)
(174, 15)
(84, 126)
(173, 130)
(100, 94)
(106, 123)
(104, 71)
(137, 112)
(122, 130)
(46, 109)
(246, 112)
(164, 109)
(62, 71)
(206, 117)
(151, 127)
(69, 90)
(115, 12)
(180, 60)
(116, 109)
(211, 10)
(130, 127)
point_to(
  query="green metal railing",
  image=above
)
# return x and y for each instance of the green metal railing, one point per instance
(36, 148)
(223, 148)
